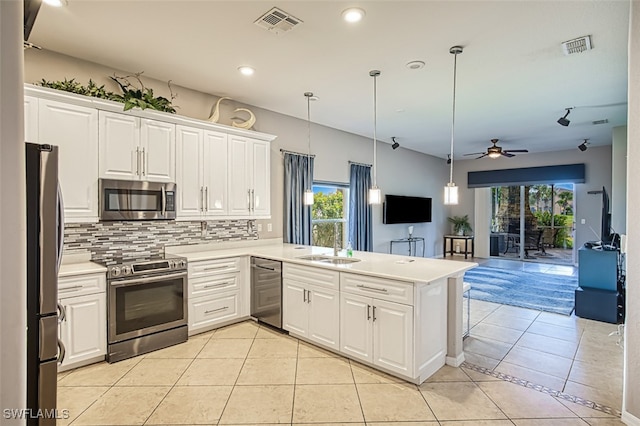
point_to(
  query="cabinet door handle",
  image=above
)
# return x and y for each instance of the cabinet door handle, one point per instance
(206, 198)
(144, 163)
(137, 161)
(368, 312)
(374, 313)
(364, 287)
(249, 199)
(304, 295)
(308, 296)
(253, 201)
(216, 310)
(202, 198)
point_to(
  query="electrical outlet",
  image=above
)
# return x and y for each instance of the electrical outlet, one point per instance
(269, 227)
(259, 227)
(583, 221)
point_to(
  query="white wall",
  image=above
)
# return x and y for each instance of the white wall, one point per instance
(598, 174)
(619, 180)
(631, 403)
(400, 172)
(12, 214)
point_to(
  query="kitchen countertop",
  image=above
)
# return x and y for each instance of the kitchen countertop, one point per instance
(413, 269)
(79, 264)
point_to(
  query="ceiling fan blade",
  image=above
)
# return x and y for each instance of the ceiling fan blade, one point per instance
(474, 153)
(508, 155)
(482, 156)
(516, 150)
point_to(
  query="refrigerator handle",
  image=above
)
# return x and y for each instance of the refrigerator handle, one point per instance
(63, 313)
(61, 353)
(60, 225)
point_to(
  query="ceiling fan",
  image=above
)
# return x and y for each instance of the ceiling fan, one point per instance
(496, 151)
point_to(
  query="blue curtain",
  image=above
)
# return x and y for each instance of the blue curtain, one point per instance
(297, 216)
(360, 217)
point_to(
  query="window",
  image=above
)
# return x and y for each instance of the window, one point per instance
(330, 207)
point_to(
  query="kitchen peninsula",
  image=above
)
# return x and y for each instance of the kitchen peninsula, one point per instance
(399, 314)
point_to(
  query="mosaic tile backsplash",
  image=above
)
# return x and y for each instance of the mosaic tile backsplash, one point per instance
(107, 240)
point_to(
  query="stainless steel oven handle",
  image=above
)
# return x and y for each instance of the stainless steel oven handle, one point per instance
(62, 352)
(154, 278)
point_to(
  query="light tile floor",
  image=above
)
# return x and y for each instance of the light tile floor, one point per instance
(247, 374)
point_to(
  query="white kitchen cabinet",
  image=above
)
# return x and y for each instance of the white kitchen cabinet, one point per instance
(83, 319)
(249, 177)
(30, 119)
(201, 173)
(74, 129)
(373, 329)
(218, 293)
(311, 304)
(134, 148)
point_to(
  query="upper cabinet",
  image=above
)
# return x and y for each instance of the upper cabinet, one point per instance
(30, 119)
(74, 129)
(134, 148)
(201, 173)
(249, 177)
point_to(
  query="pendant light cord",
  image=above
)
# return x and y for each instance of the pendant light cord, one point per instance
(375, 75)
(308, 95)
(453, 119)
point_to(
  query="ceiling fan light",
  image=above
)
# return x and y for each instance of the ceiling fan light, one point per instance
(494, 155)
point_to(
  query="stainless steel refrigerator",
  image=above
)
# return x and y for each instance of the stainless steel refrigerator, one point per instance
(45, 231)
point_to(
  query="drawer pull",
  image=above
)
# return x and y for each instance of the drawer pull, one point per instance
(219, 284)
(67, 289)
(213, 268)
(364, 287)
(216, 310)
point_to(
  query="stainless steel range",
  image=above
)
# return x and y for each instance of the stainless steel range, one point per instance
(147, 305)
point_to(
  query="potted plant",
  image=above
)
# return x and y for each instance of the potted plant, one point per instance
(461, 224)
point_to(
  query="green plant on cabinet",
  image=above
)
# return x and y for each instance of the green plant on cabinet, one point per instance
(461, 225)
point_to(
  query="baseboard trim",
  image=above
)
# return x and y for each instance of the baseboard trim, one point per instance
(455, 362)
(630, 419)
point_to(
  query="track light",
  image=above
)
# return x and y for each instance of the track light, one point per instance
(583, 146)
(448, 158)
(563, 120)
(395, 144)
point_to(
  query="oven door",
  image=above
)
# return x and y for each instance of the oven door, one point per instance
(146, 305)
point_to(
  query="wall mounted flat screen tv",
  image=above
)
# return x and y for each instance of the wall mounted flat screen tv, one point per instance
(403, 209)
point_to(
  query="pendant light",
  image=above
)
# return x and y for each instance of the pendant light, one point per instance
(375, 196)
(451, 190)
(308, 193)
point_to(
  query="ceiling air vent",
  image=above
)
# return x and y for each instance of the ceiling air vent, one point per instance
(277, 21)
(603, 121)
(577, 45)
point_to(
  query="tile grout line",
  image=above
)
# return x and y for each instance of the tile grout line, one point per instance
(543, 389)
(295, 380)
(355, 385)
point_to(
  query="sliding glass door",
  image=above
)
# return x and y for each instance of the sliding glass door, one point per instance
(533, 223)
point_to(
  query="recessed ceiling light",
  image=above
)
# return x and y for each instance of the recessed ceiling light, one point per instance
(353, 14)
(56, 3)
(415, 65)
(245, 70)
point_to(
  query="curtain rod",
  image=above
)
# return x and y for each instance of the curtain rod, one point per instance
(360, 164)
(285, 151)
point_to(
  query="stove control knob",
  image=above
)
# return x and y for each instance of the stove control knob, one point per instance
(115, 271)
(182, 263)
(172, 264)
(126, 270)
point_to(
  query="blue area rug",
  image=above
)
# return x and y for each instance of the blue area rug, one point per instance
(533, 290)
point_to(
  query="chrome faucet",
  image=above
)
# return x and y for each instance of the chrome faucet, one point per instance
(335, 238)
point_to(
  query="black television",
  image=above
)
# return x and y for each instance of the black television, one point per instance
(605, 226)
(404, 209)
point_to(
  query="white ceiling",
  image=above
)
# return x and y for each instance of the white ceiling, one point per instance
(514, 82)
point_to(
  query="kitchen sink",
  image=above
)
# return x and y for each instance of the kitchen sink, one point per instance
(329, 259)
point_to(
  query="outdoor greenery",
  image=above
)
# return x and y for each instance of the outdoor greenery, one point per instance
(562, 237)
(330, 208)
(132, 96)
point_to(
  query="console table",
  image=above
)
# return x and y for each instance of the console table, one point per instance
(451, 238)
(412, 242)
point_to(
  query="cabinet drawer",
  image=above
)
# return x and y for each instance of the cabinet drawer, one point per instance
(214, 267)
(81, 285)
(203, 286)
(380, 288)
(310, 275)
(207, 311)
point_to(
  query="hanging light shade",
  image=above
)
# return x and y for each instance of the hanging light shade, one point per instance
(375, 195)
(451, 190)
(308, 193)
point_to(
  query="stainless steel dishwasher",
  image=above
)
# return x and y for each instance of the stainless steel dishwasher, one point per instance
(266, 291)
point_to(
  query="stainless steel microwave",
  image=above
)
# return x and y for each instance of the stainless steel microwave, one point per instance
(137, 200)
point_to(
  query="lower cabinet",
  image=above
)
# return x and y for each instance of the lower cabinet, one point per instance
(218, 293)
(312, 312)
(377, 331)
(83, 322)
